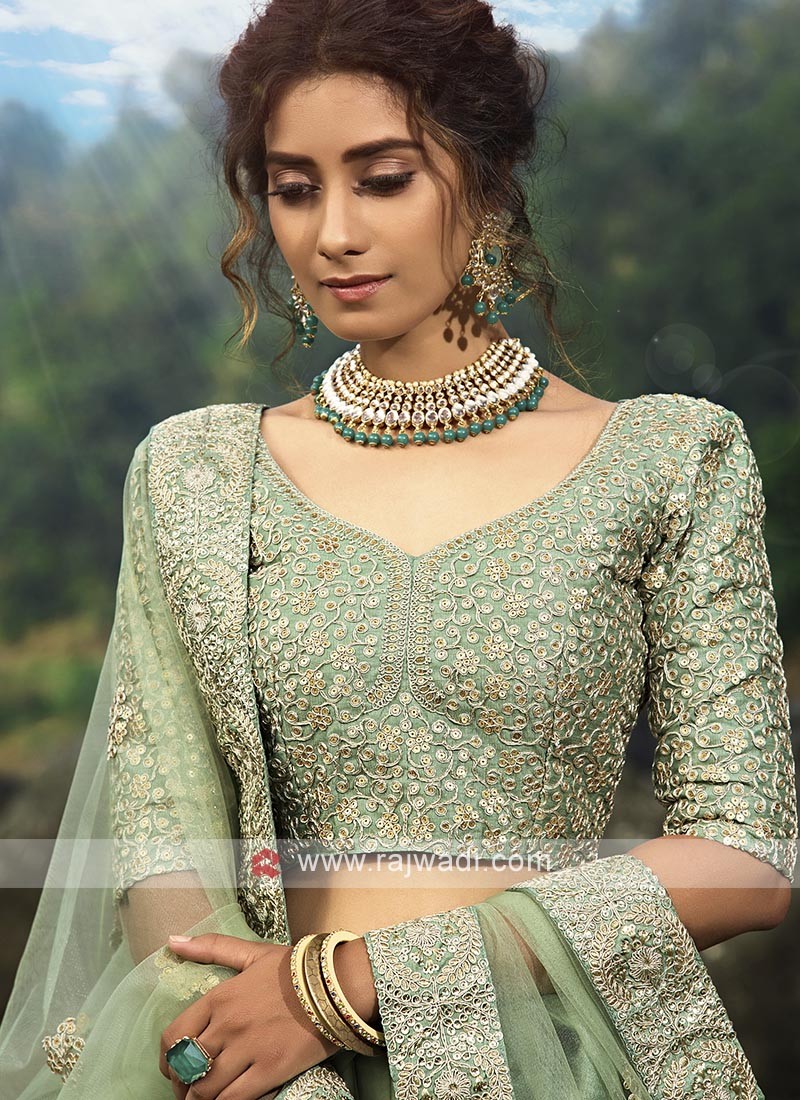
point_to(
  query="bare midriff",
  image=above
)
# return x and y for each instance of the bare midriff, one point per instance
(387, 888)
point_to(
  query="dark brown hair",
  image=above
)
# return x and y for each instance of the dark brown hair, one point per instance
(470, 84)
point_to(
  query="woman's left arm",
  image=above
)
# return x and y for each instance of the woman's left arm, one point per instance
(717, 699)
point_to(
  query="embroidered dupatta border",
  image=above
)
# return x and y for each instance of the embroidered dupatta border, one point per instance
(619, 921)
(200, 473)
(438, 1008)
(200, 476)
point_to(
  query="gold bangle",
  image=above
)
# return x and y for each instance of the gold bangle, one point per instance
(323, 1003)
(337, 994)
(301, 988)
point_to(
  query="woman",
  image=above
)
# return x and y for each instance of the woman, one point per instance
(434, 650)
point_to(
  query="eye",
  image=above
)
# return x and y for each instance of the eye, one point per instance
(396, 181)
(379, 185)
(291, 192)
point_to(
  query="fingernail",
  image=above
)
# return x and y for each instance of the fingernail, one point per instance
(180, 939)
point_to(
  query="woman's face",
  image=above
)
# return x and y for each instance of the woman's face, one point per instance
(346, 220)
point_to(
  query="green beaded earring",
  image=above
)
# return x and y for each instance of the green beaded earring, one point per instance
(489, 271)
(305, 319)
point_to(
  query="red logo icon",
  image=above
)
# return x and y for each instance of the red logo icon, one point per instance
(265, 862)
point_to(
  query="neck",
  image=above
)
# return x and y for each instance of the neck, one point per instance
(418, 357)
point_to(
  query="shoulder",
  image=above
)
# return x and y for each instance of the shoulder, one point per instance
(222, 432)
(686, 418)
(682, 432)
(695, 448)
(201, 421)
(219, 426)
(671, 445)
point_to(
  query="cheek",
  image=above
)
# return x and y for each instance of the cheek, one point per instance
(423, 255)
(294, 237)
(417, 222)
(445, 245)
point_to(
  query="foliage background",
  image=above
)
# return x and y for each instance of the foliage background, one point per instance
(671, 216)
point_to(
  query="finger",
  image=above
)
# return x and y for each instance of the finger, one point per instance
(251, 1086)
(214, 947)
(191, 1022)
(226, 1068)
(178, 1088)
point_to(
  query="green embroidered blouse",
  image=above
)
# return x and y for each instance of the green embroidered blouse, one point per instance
(481, 695)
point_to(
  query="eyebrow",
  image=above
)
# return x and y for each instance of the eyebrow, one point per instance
(356, 152)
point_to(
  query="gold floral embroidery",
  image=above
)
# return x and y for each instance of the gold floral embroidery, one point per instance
(64, 1047)
(717, 695)
(633, 1092)
(320, 1082)
(403, 755)
(122, 717)
(146, 824)
(188, 980)
(200, 468)
(621, 924)
(484, 693)
(478, 674)
(437, 1006)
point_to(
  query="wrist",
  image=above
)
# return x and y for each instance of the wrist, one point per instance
(319, 1046)
(354, 972)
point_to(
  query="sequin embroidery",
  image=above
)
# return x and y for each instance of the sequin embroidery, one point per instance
(486, 690)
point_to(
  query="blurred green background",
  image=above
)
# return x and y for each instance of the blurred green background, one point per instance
(672, 218)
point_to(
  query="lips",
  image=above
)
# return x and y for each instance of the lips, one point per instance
(356, 281)
(359, 291)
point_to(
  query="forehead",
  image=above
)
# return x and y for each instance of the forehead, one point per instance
(344, 118)
(336, 110)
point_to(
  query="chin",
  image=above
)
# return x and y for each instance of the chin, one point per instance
(361, 329)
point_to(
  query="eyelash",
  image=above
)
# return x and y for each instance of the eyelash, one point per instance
(379, 185)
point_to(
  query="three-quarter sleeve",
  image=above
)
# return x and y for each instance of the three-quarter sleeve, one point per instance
(717, 700)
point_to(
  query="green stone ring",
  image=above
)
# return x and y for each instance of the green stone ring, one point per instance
(188, 1059)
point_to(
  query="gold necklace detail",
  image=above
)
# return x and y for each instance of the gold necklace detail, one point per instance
(363, 408)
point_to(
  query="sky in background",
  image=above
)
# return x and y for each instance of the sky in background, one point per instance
(78, 60)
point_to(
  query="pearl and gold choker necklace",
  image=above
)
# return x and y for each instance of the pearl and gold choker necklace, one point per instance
(363, 408)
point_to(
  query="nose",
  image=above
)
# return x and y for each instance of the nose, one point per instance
(340, 229)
